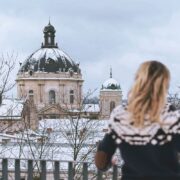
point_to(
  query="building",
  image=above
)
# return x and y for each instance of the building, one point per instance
(50, 79)
(110, 96)
(50, 83)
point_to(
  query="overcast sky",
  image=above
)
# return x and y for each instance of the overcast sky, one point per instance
(98, 34)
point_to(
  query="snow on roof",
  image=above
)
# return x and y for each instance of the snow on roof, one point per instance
(50, 53)
(91, 107)
(57, 146)
(49, 60)
(11, 108)
(56, 124)
(14, 138)
(94, 128)
(7, 135)
(110, 90)
(88, 108)
(109, 82)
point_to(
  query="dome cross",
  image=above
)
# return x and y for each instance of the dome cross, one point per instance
(110, 72)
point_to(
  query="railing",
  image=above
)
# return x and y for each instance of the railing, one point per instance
(54, 172)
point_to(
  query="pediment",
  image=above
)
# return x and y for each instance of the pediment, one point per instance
(51, 109)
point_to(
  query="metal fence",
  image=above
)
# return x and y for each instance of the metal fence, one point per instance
(54, 172)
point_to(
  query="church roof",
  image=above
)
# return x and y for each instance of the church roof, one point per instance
(49, 58)
(48, 28)
(111, 84)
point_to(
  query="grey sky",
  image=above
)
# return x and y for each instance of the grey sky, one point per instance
(98, 34)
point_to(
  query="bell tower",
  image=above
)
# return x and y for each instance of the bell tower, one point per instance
(110, 96)
(49, 37)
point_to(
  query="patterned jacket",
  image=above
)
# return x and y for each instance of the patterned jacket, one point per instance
(150, 152)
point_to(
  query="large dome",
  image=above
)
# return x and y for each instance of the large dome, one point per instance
(49, 60)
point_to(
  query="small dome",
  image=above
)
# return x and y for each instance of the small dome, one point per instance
(49, 60)
(111, 84)
(49, 28)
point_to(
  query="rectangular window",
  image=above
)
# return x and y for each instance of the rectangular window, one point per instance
(71, 96)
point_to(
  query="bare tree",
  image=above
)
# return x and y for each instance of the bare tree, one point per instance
(174, 99)
(80, 132)
(7, 65)
(74, 136)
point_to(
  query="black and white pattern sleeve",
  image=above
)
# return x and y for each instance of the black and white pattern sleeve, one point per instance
(105, 151)
(171, 125)
(107, 145)
(170, 120)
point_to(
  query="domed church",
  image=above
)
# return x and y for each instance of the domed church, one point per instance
(50, 79)
(110, 96)
(52, 83)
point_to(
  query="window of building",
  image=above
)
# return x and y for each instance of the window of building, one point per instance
(52, 97)
(21, 90)
(71, 96)
(5, 141)
(40, 92)
(49, 40)
(112, 105)
(31, 95)
(52, 116)
(30, 73)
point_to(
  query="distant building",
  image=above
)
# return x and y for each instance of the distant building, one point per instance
(50, 83)
(50, 79)
(110, 96)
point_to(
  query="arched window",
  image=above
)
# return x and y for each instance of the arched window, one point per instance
(49, 40)
(52, 97)
(31, 95)
(112, 105)
(71, 96)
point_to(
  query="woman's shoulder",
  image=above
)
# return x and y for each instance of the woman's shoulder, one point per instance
(170, 116)
(120, 124)
(170, 119)
(122, 128)
(119, 112)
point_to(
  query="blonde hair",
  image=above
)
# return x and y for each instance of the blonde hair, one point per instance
(148, 94)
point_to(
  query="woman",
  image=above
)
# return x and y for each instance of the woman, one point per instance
(146, 131)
